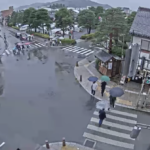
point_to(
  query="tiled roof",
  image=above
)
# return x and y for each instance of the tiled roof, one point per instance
(141, 23)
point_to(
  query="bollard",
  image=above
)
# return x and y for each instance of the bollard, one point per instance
(80, 78)
(63, 142)
(135, 132)
(47, 144)
(77, 64)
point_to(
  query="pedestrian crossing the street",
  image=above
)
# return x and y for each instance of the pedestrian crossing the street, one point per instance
(115, 130)
(79, 50)
(33, 45)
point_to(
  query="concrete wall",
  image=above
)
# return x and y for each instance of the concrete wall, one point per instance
(137, 40)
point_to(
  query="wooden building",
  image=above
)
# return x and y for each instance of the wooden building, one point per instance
(108, 64)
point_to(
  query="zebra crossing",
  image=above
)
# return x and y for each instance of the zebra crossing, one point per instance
(31, 46)
(78, 50)
(115, 130)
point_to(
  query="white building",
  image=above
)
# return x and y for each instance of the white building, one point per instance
(140, 30)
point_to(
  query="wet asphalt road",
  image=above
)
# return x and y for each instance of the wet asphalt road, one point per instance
(42, 101)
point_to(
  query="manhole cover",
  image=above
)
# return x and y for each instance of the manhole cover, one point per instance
(89, 143)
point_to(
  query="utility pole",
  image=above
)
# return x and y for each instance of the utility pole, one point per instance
(122, 47)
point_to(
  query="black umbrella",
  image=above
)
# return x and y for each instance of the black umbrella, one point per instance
(116, 92)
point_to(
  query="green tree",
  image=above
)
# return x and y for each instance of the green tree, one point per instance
(112, 26)
(131, 18)
(63, 19)
(92, 9)
(42, 18)
(19, 18)
(33, 20)
(26, 15)
(86, 18)
(13, 19)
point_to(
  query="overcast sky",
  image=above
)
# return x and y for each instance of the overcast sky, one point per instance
(132, 4)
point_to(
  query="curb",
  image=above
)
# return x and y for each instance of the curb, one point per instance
(117, 104)
(69, 145)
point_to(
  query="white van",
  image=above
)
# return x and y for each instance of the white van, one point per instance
(24, 28)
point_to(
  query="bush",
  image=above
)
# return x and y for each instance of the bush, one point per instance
(45, 36)
(14, 27)
(88, 36)
(118, 51)
(68, 41)
(10, 25)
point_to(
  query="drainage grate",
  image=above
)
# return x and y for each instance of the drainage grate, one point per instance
(89, 143)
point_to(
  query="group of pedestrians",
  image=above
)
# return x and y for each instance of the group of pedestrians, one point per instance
(103, 87)
(51, 42)
(102, 113)
(18, 49)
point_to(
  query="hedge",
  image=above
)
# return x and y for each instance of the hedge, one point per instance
(88, 36)
(45, 36)
(14, 27)
(68, 41)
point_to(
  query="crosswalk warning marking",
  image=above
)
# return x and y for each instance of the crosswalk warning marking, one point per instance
(89, 53)
(111, 124)
(108, 141)
(118, 118)
(86, 52)
(109, 132)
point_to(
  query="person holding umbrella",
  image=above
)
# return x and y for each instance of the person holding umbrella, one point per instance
(94, 85)
(103, 86)
(115, 92)
(104, 80)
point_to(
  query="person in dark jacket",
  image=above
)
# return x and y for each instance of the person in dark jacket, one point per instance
(112, 101)
(102, 116)
(103, 86)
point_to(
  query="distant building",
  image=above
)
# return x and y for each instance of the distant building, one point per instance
(140, 31)
(6, 14)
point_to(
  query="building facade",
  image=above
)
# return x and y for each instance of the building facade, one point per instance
(140, 31)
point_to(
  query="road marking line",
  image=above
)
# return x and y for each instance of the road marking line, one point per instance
(89, 53)
(2, 144)
(72, 49)
(41, 44)
(110, 132)
(82, 50)
(124, 113)
(111, 124)
(38, 45)
(118, 118)
(86, 52)
(67, 47)
(7, 52)
(78, 50)
(108, 141)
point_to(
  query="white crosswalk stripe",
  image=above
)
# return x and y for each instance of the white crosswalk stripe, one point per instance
(78, 50)
(115, 129)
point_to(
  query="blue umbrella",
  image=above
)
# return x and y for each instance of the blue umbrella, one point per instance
(93, 79)
(116, 92)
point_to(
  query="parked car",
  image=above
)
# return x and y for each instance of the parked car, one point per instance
(26, 37)
(18, 35)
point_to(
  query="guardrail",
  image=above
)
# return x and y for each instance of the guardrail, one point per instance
(144, 126)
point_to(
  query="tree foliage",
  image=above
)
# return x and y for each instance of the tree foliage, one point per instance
(86, 18)
(112, 26)
(131, 17)
(63, 19)
(32, 17)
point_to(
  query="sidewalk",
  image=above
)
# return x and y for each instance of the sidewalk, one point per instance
(69, 146)
(86, 69)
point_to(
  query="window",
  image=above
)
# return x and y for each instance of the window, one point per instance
(145, 45)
